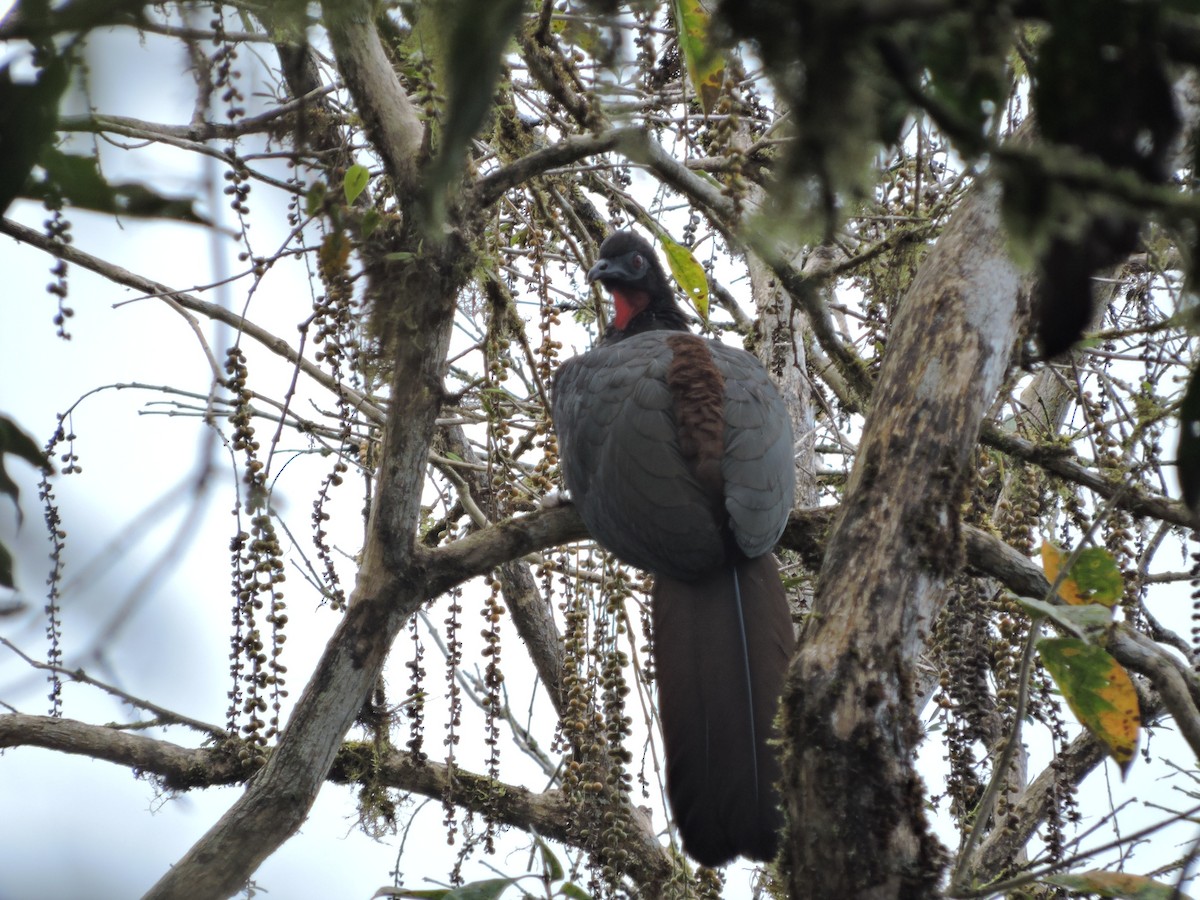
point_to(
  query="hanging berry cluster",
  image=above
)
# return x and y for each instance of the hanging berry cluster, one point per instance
(58, 539)
(414, 696)
(334, 316)
(58, 229)
(257, 562)
(581, 776)
(454, 654)
(961, 644)
(225, 78)
(543, 478)
(610, 634)
(493, 700)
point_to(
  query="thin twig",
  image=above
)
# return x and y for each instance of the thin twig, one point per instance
(165, 715)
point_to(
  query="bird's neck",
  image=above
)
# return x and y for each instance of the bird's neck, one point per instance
(654, 317)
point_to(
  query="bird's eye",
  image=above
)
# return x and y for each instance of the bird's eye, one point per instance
(638, 262)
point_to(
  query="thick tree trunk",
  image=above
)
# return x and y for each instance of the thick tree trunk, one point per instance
(855, 802)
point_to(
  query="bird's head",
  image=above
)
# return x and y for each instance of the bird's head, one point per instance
(642, 295)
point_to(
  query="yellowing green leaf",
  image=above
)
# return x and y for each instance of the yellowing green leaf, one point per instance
(688, 272)
(705, 66)
(355, 182)
(1099, 692)
(1052, 560)
(1089, 619)
(1097, 574)
(1094, 578)
(1116, 884)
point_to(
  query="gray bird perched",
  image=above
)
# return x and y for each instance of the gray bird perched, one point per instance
(677, 451)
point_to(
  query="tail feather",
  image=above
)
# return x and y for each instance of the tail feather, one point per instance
(721, 649)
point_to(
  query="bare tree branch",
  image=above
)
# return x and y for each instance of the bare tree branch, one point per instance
(196, 132)
(186, 768)
(493, 186)
(179, 767)
(1062, 462)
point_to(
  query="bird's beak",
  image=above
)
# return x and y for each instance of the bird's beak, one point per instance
(630, 269)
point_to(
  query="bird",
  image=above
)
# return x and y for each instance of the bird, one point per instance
(677, 451)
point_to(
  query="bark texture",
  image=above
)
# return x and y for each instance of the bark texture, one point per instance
(855, 802)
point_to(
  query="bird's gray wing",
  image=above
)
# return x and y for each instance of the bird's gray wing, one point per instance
(759, 462)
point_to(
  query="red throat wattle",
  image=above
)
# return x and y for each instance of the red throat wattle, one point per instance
(626, 305)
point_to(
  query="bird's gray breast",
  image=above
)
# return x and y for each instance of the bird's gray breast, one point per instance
(644, 489)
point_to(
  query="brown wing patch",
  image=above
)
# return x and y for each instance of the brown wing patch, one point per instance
(698, 388)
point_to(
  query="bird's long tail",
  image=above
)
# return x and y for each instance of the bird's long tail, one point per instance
(721, 649)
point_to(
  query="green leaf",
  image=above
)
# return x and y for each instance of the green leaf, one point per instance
(1099, 692)
(553, 867)
(28, 118)
(15, 441)
(688, 272)
(355, 182)
(1117, 885)
(488, 889)
(6, 568)
(481, 890)
(370, 221)
(705, 65)
(967, 62)
(1085, 621)
(477, 33)
(80, 182)
(574, 891)
(1188, 454)
(314, 199)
